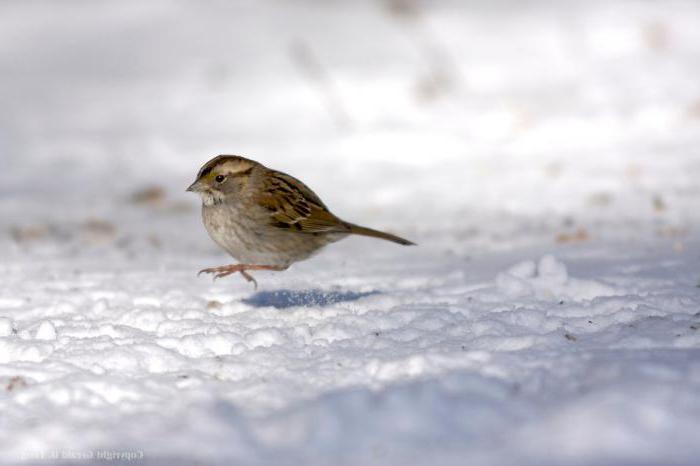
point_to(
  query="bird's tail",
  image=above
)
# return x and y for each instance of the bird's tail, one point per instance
(364, 231)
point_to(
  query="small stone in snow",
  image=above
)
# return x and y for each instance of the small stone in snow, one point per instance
(15, 383)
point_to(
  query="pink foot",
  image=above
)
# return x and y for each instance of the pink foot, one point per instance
(224, 270)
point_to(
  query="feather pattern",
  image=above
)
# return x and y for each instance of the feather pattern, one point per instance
(265, 217)
(293, 206)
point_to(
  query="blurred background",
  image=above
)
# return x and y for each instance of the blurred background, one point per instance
(428, 117)
(491, 132)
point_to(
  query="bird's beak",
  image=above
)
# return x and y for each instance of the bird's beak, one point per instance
(195, 187)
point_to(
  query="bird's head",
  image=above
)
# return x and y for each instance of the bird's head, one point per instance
(221, 177)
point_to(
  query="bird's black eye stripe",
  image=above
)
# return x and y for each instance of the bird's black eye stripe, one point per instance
(220, 178)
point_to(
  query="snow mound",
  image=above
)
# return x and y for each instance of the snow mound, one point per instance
(549, 279)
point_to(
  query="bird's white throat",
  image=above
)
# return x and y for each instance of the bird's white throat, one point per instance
(210, 198)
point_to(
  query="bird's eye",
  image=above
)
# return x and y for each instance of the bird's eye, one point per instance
(220, 178)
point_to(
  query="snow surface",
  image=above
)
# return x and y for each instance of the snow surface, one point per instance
(544, 155)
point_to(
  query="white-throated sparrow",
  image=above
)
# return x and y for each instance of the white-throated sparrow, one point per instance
(266, 219)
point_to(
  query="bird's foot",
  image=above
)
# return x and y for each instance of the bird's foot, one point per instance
(225, 270)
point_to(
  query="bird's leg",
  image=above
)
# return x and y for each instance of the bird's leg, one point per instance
(224, 270)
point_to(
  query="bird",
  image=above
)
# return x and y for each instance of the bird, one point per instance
(266, 219)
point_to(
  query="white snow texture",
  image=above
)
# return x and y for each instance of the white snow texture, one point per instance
(544, 155)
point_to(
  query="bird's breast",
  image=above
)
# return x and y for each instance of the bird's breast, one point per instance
(248, 235)
(243, 234)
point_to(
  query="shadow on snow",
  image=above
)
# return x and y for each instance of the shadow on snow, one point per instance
(283, 299)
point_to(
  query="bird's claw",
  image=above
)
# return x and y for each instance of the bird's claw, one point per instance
(221, 272)
(249, 278)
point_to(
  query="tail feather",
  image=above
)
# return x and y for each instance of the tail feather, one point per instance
(364, 231)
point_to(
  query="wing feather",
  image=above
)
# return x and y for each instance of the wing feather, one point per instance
(293, 206)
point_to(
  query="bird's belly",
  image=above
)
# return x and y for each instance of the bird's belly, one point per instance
(253, 241)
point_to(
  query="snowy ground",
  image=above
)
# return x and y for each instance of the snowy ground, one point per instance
(544, 155)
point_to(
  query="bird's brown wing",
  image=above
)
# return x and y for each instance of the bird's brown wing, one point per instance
(293, 206)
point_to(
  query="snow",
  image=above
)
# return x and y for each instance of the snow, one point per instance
(544, 156)
(46, 331)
